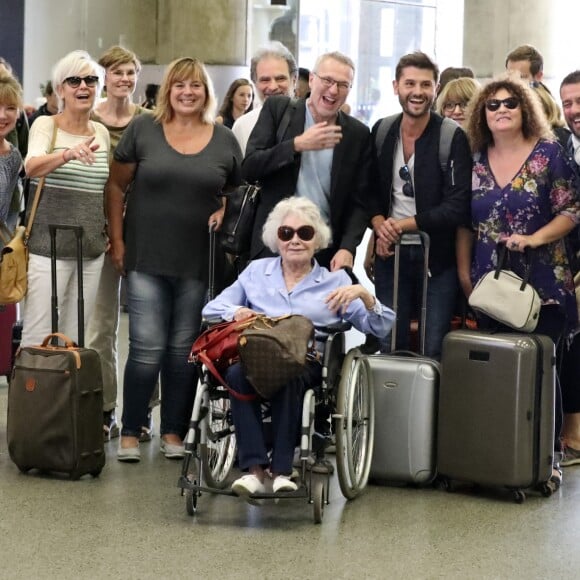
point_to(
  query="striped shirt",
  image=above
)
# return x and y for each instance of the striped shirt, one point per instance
(72, 194)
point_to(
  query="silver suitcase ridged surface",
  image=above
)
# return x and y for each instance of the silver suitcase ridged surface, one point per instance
(405, 391)
(496, 409)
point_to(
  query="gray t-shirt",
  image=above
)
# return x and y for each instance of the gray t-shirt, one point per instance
(9, 170)
(172, 197)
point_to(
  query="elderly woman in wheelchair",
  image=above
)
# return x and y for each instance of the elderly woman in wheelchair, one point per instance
(291, 283)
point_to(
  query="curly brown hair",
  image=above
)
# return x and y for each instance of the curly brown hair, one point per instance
(534, 122)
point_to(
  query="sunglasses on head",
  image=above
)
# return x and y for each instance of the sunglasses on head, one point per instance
(509, 103)
(286, 233)
(405, 175)
(75, 82)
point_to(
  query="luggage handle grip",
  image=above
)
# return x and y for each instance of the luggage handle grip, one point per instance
(69, 343)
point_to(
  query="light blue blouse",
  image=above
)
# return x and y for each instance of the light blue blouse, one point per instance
(261, 287)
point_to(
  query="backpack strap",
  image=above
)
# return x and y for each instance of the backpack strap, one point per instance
(447, 131)
(383, 129)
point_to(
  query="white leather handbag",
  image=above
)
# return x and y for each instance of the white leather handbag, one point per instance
(507, 298)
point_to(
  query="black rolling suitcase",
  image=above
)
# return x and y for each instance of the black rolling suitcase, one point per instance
(55, 398)
(496, 410)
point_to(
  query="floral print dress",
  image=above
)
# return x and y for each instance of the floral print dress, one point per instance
(540, 190)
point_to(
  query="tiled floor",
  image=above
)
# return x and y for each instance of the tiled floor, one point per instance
(131, 523)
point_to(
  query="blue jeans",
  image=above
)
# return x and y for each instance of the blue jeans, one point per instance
(164, 320)
(286, 407)
(442, 291)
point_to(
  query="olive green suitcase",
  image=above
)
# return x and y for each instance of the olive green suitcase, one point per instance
(55, 397)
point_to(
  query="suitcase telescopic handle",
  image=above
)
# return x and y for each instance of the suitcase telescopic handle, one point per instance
(78, 232)
(426, 244)
(211, 277)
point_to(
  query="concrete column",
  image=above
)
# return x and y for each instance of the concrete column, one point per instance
(494, 28)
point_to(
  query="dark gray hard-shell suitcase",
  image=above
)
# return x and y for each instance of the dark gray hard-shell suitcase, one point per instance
(55, 398)
(405, 392)
(496, 410)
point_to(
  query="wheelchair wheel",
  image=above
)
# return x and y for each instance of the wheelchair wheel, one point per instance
(190, 502)
(354, 426)
(318, 500)
(219, 450)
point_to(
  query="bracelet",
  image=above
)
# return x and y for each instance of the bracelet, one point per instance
(64, 156)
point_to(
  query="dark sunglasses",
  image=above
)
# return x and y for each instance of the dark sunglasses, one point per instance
(75, 82)
(286, 233)
(509, 103)
(405, 175)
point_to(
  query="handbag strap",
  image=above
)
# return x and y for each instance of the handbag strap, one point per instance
(285, 120)
(502, 254)
(5, 234)
(203, 358)
(39, 187)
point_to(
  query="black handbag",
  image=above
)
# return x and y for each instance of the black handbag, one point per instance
(235, 234)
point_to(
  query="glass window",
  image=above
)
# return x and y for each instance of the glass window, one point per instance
(375, 34)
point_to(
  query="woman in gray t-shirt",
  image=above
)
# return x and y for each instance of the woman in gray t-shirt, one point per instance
(175, 164)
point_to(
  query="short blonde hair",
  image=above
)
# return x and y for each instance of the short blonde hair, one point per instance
(459, 90)
(185, 68)
(72, 65)
(550, 106)
(117, 55)
(10, 91)
(303, 208)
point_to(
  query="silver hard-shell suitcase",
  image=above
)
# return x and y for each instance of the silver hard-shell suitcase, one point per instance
(405, 391)
(496, 410)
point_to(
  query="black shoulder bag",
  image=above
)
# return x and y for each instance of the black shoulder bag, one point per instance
(235, 234)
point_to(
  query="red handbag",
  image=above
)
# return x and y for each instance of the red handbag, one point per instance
(217, 349)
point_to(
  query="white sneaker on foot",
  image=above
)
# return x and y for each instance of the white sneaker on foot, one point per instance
(283, 483)
(248, 485)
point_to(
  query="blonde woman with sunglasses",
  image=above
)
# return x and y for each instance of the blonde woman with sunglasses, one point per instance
(71, 152)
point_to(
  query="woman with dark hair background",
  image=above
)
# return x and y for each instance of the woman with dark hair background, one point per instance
(238, 100)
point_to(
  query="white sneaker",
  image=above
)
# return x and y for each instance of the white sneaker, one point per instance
(283, 483)
(248, 485)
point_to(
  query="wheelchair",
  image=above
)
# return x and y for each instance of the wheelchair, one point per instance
(345, 391)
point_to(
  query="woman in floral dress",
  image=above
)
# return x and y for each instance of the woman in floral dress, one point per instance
(523, 196)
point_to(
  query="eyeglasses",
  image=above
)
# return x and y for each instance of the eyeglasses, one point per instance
(450, 106)
(328, 82)
(286, 233)
(510, 103)
(405, 175)
(75, 82)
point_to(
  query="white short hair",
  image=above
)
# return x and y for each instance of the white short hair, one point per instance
(298, 206)
(72, 65)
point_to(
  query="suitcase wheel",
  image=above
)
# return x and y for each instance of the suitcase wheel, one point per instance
(446, 484)
(519, 496)
(96, 473)
(24, 469)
